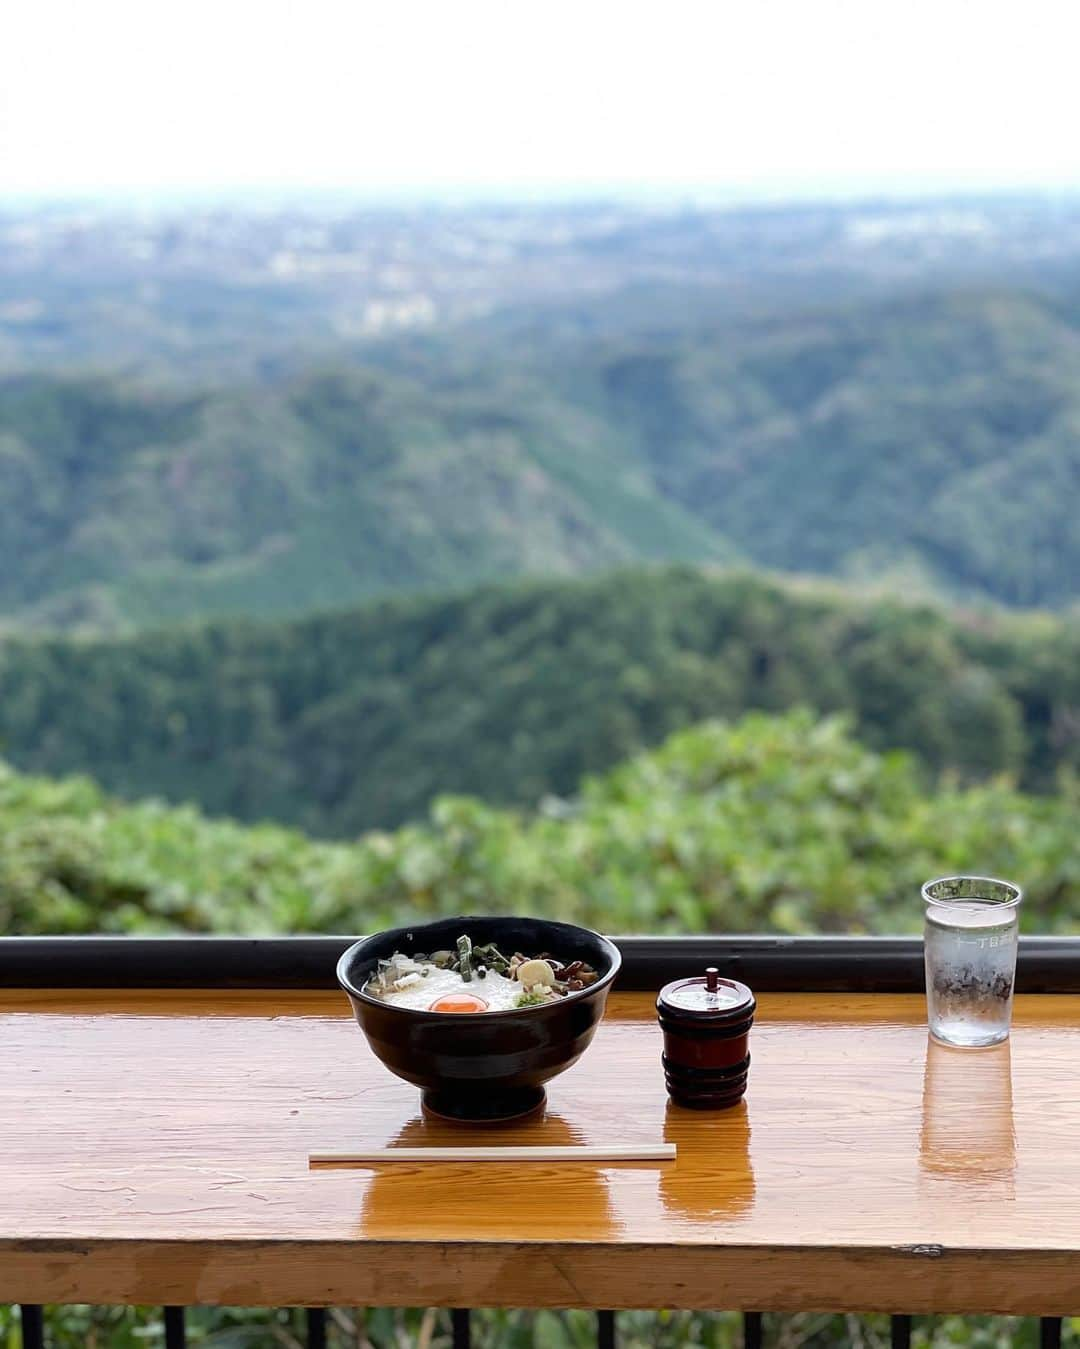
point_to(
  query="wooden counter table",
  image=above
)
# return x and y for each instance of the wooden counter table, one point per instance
(155, 1146)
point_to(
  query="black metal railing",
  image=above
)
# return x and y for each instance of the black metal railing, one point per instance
(771, 964)
(316, 1328)
(768, 964)
(33, 1329)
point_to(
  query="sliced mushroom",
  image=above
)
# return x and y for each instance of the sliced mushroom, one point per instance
(535, 972)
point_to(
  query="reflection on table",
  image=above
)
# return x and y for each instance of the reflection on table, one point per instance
(493, 1200)
(967, 1136)
(712, 1179)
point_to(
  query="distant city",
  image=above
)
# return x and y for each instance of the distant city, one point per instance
(102, 282)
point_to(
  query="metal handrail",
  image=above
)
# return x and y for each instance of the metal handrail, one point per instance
(766, 963)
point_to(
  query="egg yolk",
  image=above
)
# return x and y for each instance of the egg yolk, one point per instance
(458, 1002)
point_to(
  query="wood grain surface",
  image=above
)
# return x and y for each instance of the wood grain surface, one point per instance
(154, 1149)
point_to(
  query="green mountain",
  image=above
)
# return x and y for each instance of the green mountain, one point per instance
(346, 722)
(773, 824)
(932, 441)
(121, 504)
(934, 438)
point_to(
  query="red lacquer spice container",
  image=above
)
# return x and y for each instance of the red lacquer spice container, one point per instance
(706, 1024)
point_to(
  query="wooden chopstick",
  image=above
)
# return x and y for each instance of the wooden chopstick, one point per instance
(658, 1152)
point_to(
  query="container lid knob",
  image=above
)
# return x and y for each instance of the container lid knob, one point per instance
(712, 975)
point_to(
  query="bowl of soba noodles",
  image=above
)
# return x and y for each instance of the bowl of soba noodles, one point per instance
(480, 1012)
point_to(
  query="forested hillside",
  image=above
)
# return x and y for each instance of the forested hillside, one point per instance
(934, 438)
(347, 722)
(932, 441)
(774, 824)
(121, 504)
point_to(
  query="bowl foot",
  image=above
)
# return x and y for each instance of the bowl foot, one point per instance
(488, 1107)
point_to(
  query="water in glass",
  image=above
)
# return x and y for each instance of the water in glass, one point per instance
(970, 969)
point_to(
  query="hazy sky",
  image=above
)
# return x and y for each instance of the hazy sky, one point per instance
(749, 96)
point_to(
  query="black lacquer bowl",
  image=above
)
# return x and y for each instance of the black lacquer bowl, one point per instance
(481, 1066)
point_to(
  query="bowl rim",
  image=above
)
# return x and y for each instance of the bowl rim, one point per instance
(605, 980)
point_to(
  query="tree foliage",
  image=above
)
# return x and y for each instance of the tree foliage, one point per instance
(358, 720)
(782, 824)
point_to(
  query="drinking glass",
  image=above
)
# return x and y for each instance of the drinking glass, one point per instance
(970, 947)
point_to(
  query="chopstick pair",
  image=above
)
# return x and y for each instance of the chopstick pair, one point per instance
(659, 1152)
